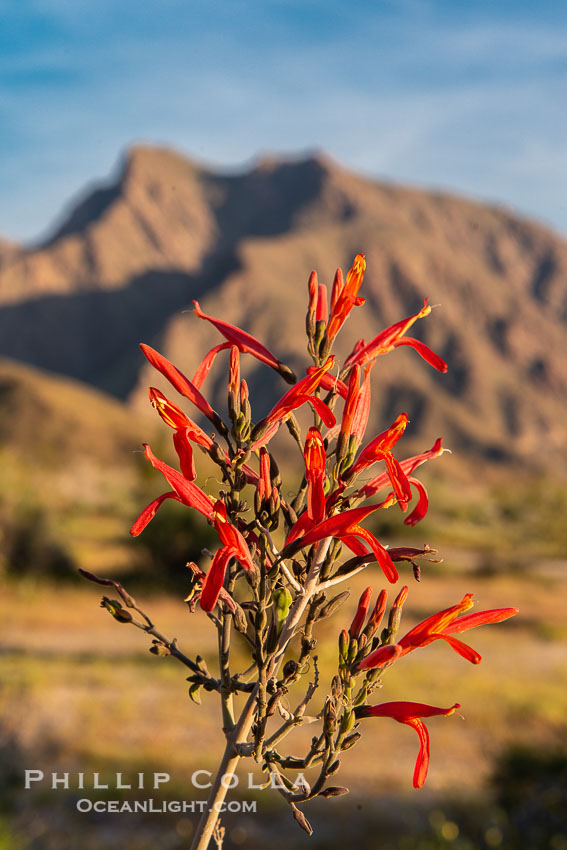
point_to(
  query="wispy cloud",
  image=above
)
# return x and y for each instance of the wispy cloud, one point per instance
(410, 90)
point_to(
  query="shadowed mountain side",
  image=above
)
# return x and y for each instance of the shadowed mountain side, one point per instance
(155, 215)
(161, 212)
(94, 336)
(488, 404)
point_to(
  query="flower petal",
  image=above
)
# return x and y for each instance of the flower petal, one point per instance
(384, 560)
(361, 612)
(422, 503)
(206, 363)
(381, 656)
(149, 512)
(315, 458)
(463, 649)
(480, 618)
(422, 761)
(214, 579)
(181, 383)
(184, 451)
(231, 536)
(247, 343)
(186, 491)
(321, 408)
(424, 351)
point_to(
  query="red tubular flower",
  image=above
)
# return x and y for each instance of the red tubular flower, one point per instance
(384, 442)
(265, 471)
(184, 450)
(181, 383)
(338, 285)
(330, 383)
(440, 626)
(313, 290)
(234, 384)
(214, 579)
(185, 431)
(410, 714)
(391, 338)
(187, 492)
(234, 371)
(247, 344)
(183, 490)
(379, 658)
(346, 528)
(350, 402)
(231, 536)
(298, 395)
(176, 418)
(408, 466)
(380, 449)
(206, 363)
(264, 482)
(347, 297)
(149, 512)
(377, 613)
(315, 461)
(362, 407)
(235, 546)
(361, 612)
(322, 313)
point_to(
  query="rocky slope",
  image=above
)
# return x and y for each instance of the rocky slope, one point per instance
(130, 257)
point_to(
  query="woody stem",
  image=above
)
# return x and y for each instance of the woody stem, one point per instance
(298, 607)
(228, 765)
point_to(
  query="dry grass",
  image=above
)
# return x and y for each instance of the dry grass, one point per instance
(83, 686)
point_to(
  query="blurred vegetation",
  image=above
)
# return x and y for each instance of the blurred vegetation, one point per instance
(82, 692)
(27, 544)
(515, 524)
(513, 520)
(61, 649)
(175, 536)
(531, 788)
(526, 812)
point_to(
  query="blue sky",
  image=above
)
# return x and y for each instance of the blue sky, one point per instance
(465, 96)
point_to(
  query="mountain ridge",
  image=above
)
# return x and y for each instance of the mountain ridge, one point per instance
(131, 256)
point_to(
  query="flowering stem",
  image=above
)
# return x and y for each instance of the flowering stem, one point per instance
(330, 582)
(228, 765)
(225, 689)
(298, 607)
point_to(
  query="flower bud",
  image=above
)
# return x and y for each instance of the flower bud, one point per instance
(114, 607)
(244, 420)
(334, 791)
(361, 612)
(396, 614)
(343, 644)
(352, 650)
(338, 284)
(310, 320)
(333, 605)
(234, 384)
(377, 614)
(350, 741)
(282, 602)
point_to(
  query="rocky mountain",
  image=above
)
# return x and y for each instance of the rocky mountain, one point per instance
(129, 258)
